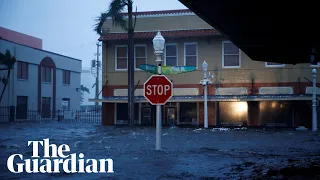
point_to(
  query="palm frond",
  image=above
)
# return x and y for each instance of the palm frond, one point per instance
(100, 20)
(116, 9)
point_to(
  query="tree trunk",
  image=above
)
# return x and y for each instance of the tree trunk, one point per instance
(5, 85)
(130, 66)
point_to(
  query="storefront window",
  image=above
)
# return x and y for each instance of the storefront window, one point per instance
(276, 113)
(233, 113)
(188, 112)
(122, 111)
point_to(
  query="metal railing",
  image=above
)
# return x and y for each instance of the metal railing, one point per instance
(9, 114)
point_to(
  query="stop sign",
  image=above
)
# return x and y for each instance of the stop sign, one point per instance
(158, 89)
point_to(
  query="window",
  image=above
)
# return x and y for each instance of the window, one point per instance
(188, 112)
(171, 55)
(22, 70)
(230, 55)
(66, 77)
(122, 111)
(191, 54)
(121, 57)
(65, 104)
(273, 64)
(46, 74)
(140, 55)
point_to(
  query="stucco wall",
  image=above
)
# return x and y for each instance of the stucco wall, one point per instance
(209, 50)
(29, 87)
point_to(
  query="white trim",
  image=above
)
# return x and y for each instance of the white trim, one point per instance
(164, 30)
(146, 54)
(165, 53)
(318, 65)
(115, 58)
(275, 90)
(162, 15)
(184, 52)
(223, 66)
(266, 65)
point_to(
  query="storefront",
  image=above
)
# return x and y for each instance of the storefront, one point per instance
(223, 111)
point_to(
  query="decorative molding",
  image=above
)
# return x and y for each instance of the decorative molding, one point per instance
(309, 90)
(232, 91)
(176, 92)
(275, 90)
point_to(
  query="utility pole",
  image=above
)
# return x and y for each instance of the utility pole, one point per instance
(96, 63)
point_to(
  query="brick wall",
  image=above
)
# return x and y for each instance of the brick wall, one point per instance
(107, 114)
(211, 114)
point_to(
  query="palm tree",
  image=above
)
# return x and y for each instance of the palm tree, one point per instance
(6, 63)
(115, 10)
(83, 89)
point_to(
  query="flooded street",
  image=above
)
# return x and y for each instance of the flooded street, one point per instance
(187, 153)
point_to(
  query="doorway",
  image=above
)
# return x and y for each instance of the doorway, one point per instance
(46, 110)
(171, 116)
(147, 116)
(22, 107)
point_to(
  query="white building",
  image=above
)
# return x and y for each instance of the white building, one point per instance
(40, 80)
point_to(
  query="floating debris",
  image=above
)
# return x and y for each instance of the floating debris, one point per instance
(220, 129)
(197, 129)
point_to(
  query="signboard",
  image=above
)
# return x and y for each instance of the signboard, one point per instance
(158, 89)
(167, 69)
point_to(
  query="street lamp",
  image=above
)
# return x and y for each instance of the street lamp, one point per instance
(314, 100)
(158, 46)
(205, 83)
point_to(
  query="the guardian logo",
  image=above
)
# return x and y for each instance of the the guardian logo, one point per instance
(51, 163)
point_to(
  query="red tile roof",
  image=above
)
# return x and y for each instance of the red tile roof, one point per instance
(151, 34)
(176, 11)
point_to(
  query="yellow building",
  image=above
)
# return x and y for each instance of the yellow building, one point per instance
(243, 92)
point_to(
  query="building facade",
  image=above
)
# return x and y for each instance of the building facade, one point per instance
(40, 80)
(243, 91)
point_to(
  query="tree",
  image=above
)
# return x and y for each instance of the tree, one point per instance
(83, 89)
(115, 10)
(6, 64)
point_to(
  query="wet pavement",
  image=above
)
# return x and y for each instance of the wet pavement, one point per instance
(187, 153)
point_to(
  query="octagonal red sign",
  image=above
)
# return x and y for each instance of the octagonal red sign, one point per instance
(158, 89)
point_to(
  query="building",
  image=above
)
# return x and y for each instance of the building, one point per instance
(40, 80)
(244, 92)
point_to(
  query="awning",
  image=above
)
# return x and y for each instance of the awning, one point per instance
(271, 31)
(124, 99)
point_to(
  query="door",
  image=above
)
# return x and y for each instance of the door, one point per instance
(171, 116)
(45, 107)
(146, 116)
(22, 107)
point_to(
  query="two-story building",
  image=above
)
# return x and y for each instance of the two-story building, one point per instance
(40, 80)
(244, 91)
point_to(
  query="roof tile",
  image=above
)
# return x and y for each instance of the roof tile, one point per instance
(151, 34)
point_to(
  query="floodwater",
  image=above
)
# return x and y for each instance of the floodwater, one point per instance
(187, 153)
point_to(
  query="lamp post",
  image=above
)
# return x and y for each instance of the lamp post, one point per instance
(205, 83)
(314, 100)
(158, 46)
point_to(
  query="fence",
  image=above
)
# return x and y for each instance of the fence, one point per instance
(10, 114)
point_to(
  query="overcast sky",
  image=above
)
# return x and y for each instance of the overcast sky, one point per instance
(66, 26)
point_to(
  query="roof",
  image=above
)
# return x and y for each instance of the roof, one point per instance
(265, 30)
(200, 98)
(165, 34)
(41, 50)
(165, 12)
(20, 38)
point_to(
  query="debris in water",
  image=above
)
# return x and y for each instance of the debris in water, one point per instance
(220, 129)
